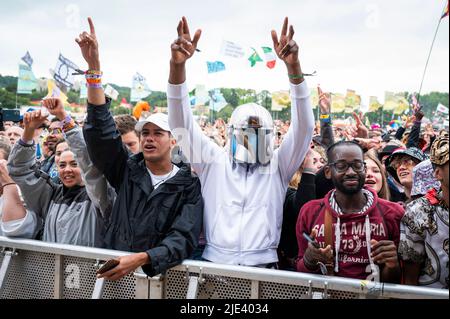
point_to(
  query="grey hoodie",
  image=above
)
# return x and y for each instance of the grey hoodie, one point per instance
(73, 215)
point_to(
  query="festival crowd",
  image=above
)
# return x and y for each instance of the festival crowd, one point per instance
(301, 195)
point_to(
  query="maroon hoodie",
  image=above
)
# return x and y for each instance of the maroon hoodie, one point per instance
(354, 262)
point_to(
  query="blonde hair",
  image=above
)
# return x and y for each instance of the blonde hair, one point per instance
(296, 179)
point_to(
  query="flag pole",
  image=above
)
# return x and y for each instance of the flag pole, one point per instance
(429, 53)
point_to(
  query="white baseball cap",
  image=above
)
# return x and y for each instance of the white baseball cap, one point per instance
(159, 119)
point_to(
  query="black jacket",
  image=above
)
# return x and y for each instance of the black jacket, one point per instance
(294, 201)
(165, 222)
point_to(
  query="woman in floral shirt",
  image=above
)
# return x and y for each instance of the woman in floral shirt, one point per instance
(424, 227)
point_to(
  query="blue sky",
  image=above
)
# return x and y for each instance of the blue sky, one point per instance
(366, 45)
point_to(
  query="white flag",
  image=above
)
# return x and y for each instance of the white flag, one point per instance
(139, 89)
(111, 92)
(232, 49)
(64, 71)
(201, 95)
(442, 108)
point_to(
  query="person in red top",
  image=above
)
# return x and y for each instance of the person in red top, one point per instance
(355, 233)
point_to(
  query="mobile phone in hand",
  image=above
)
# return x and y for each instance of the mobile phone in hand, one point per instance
(110, 264)
(310, 240)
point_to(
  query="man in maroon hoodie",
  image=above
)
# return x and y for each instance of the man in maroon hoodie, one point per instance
(355, 233)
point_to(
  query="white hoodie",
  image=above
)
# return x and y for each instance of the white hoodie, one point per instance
(243, 204)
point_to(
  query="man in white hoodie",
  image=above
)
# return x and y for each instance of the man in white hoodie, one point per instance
(245, 183)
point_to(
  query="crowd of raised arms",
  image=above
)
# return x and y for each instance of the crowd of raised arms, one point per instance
(300, 195)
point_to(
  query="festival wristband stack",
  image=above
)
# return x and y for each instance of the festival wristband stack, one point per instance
(67, 124)
(94, 79)
(326, 118)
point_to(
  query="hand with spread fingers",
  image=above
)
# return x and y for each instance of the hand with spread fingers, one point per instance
(89, 47)
(184, 46)
(285, 47)
(362, 130)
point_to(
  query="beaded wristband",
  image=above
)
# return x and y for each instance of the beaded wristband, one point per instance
(68, 126)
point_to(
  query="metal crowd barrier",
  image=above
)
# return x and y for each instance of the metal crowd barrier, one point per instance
(32, 269)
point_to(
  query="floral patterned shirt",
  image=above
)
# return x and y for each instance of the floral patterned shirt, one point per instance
(424, 238)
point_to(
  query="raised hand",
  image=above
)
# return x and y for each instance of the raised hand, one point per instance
(362, 130)
(33, 120)
(184, 46)
(55, 107)
(285, 47)
(89, 47)
(324, 102)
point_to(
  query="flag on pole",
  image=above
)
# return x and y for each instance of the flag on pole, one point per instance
(314, 97)
(139, 88)
(337, 103)
(201, 95)
(402, 105)
(217, 101)
(445, 14)
(111, 92)
(83, 90)
(63, 72)
(442, 109)
(352, 101)
(374, 105)
(26, 81)
(232, 50)
(215, 66)
(271, 58)
(28, 59)
(54, 91)
(254, 58)
(390, 102)
(280, 100)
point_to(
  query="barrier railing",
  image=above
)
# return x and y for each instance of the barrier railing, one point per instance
(35, 269)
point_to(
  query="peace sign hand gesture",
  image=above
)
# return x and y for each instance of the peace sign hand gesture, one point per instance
(184, 46)
(362, 130)
(89, 47)
(286, 48)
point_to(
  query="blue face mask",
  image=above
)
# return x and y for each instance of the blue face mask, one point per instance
(246, 144)
(253, 144)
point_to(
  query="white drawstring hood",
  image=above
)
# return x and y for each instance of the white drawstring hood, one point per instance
(337, 229)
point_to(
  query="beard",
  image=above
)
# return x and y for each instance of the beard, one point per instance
(339, 184)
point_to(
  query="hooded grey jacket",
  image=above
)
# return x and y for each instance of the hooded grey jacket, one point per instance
(64, 215)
